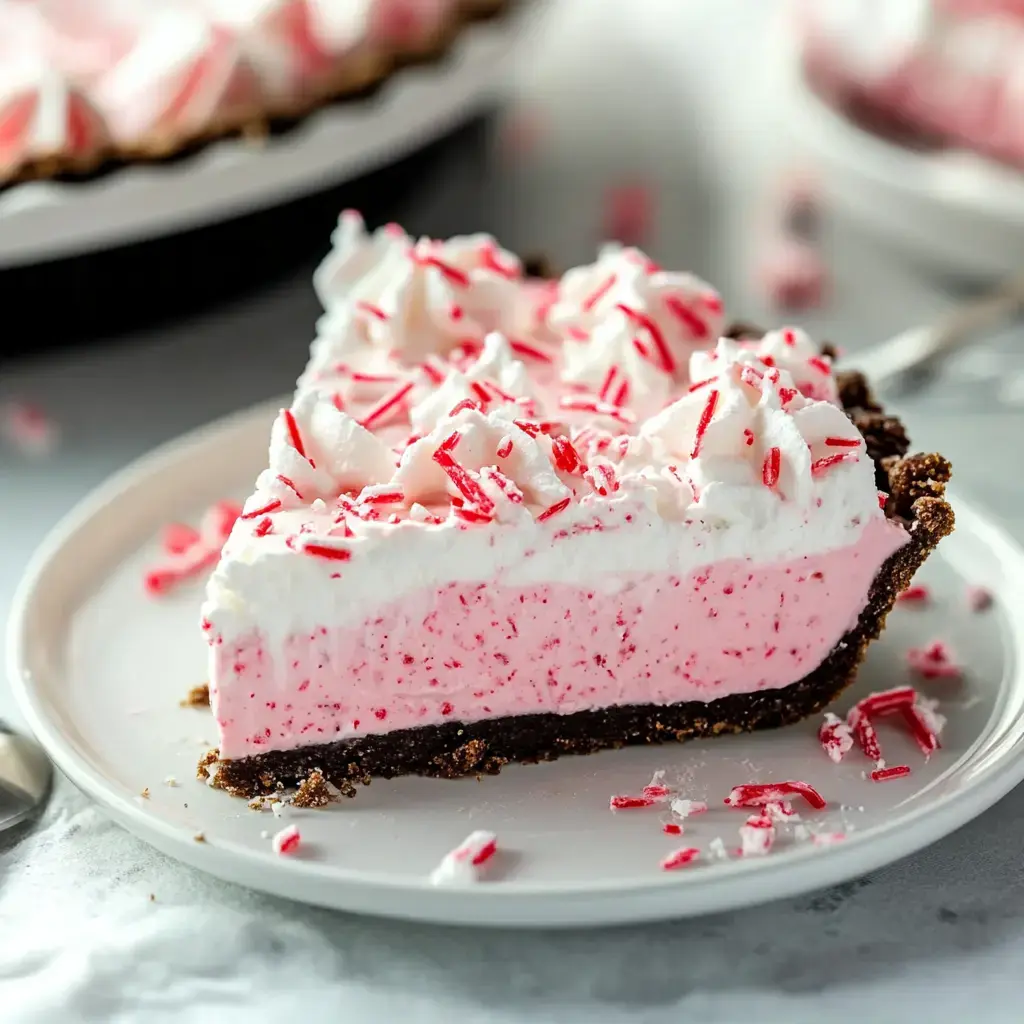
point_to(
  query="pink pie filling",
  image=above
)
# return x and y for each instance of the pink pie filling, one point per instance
(468, 651)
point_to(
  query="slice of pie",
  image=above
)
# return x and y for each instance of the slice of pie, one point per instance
(506, 519)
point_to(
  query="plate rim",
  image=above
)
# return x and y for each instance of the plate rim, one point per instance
(505, 903)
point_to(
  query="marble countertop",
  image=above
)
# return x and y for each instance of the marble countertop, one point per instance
(937, 937)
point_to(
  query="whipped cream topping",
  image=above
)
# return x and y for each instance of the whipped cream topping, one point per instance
(495, 377)
(790, 350)
(624, 303)
(419, 297)
(480, 462)
(317, 452)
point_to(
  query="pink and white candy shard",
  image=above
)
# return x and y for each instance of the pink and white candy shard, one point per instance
(463, 865)
(501, 541)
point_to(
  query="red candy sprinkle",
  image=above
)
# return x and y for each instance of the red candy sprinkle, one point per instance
(621, 803)
(885, 774)
(464, 482)
(757, 794)
(452, 274)
(293, 432)
(325, 551)
(290, 485)
(466, 403)
(531, 351)
(469, 516)
(842, 442)
(553, 510)
(386, 406)
(599, 293)
(668, 364)
(672, 829)
(917, 594)
(271, 506)
(825, 463)
(680, 858)
(772, 466)
(263, 527)
(704, 422)
(695, 324)
(589, 403)
(505, 448)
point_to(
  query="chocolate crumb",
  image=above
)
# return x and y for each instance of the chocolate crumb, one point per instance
(198, 697)
(145, 793)
(314, 791)
(152, 897)
(199, 837)
(209, 758)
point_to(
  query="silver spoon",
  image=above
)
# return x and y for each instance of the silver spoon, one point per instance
(25, 777)
(906, 360)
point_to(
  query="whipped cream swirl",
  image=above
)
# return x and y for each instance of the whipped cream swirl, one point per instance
(495, 379)
(624, 306)
(317, 452)
(791, 350)
(419, 298)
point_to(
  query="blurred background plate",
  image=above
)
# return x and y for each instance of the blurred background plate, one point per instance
(45, 220)
(949, 210)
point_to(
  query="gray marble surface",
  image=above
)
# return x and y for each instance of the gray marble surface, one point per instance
(938, 937)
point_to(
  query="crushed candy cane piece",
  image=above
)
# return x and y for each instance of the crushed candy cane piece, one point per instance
(462, 865)
(680, 858)
(684, 808)
(193, 558)
(936, 661)
(885, 774)
(757, 794)
(757, 836)
(670, 828)
(622, 803)
(836, 737)
(287, 841)
(979, 598)
(916, 594)
(656, 792)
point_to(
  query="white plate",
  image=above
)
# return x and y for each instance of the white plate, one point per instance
(44, 220)
(952, 209)
(99, 670)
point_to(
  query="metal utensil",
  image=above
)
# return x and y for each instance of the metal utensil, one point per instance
(908, 359)
(25, 777)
